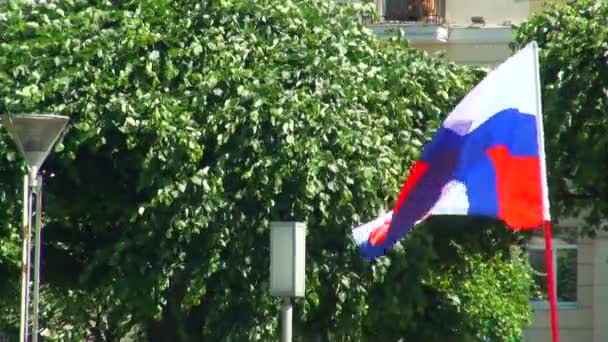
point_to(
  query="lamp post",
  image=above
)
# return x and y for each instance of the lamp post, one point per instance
(287, 268)
(34, 135)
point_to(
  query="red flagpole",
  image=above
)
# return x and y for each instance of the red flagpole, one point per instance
(551, 281)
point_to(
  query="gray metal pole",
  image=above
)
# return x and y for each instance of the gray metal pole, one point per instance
(37, 246)
(25, 260)
(286, 320)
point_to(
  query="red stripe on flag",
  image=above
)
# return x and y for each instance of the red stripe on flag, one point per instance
(518, 184)
(418, 169)
(378, 235)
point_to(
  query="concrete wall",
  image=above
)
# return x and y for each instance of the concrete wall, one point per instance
(600, 289)
(495, 12)
(430, 48)
(536, 6)
(481, 54)
(478, 54)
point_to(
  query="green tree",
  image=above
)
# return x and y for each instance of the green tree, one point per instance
(194, 124)
(452, 280)
(573, 41)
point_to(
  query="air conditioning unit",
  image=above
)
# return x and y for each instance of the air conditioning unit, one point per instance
(479, 20)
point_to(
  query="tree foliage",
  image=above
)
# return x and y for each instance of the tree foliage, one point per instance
(193, 124)
(573, 41)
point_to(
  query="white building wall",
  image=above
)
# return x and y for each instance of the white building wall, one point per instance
(495, 12)
(600, 288)
(489, 55)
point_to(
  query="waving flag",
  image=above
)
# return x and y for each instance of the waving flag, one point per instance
(487, 158)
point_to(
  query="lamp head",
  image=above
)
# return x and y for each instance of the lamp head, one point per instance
(34, 135)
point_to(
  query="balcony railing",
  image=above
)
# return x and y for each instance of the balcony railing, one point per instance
(428, 11)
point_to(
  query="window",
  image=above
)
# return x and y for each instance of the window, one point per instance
(565, 255)
(411, 10)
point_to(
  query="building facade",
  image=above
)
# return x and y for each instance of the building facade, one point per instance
(581, 270)
(478, 32)
(466, 31)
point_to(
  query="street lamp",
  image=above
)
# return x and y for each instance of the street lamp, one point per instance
(287, 268)
(34, 135)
